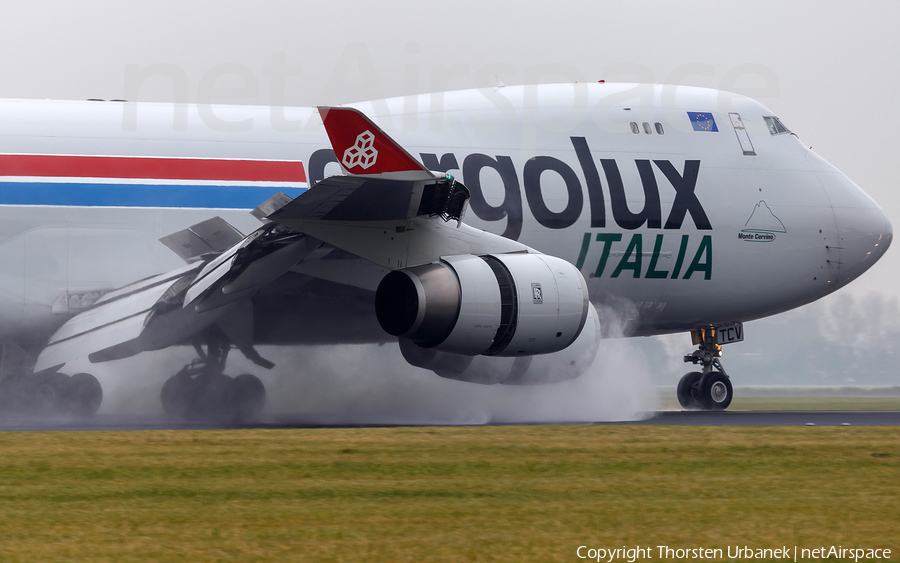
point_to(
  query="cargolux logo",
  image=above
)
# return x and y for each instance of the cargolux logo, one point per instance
(523, 186)
(363, 153)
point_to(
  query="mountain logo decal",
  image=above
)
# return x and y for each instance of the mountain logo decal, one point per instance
(762, 225)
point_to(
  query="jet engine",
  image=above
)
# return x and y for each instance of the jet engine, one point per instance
(495, 305)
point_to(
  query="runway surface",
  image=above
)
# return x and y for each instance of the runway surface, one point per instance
(774, 418)
(665, 418)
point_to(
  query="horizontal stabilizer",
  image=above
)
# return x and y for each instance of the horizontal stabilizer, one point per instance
(212, 235)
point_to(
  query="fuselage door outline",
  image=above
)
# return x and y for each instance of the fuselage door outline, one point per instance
(742, 136)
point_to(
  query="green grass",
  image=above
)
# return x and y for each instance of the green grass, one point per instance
(441, 494)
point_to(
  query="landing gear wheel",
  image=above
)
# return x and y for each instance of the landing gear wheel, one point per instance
(175, 395)
(49, 392)
(200, 391)
(203, 397)
(248, 397)
(715, 391)
(688, 390)
(85, 395)
(212, 397)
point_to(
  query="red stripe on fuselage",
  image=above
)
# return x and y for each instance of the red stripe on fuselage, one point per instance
(151, 168)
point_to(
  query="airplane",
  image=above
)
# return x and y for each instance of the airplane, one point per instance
(479, 230)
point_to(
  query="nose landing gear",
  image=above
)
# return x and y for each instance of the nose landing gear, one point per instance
(710, 388)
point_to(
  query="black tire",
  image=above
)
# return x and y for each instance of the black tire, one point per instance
(85, 395)
(688, 390)
(248, 397)
(48, 393)
(203, 397)
(212, 398)
(716, 391)
(175, 395)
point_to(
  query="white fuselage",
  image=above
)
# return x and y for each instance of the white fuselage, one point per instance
(683, 225)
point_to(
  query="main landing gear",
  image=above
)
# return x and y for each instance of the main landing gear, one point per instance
(710, 388)
(47, 393)
(200, 391)
(51, 393)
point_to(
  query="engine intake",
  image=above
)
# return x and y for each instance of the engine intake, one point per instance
(504, 304)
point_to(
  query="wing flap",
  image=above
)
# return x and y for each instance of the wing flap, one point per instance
(266, 269)
(212, 235)
(110, 313)
(202, 285)
(146, 283)
(271, 205)
(124, 330)
(348, 198)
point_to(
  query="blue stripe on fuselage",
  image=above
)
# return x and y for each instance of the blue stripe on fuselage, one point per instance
(139, 195)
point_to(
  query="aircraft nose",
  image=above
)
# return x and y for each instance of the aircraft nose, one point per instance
(865, 234)
(863, 228)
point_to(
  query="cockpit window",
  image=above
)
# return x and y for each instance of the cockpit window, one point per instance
(776, 127)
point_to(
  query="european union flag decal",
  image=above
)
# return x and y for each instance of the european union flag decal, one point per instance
(702, 121)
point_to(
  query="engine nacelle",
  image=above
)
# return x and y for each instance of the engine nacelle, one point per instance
(523, 370)
(496, 305)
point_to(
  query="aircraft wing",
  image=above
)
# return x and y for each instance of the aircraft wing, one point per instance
(388, 210)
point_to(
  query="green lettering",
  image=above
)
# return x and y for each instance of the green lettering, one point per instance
(634, 247)
(651, 269)
(608, 239)
(680, 260)
(584, 248)
(705, 249)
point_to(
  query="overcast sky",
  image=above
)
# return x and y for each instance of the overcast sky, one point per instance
(827, 68)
